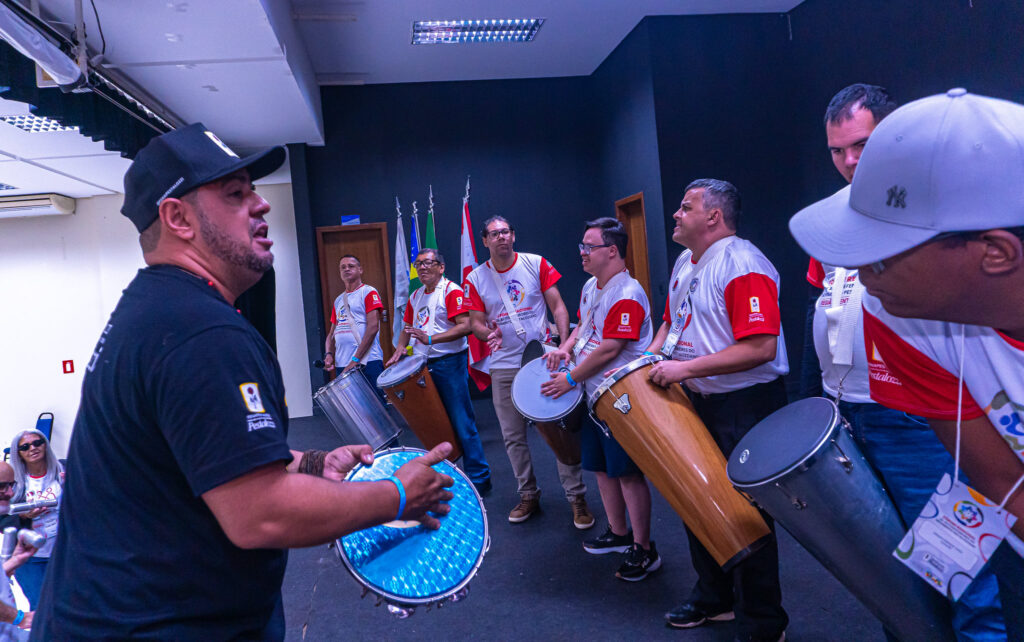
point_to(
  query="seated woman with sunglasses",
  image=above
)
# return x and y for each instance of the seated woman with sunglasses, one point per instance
(38, 476)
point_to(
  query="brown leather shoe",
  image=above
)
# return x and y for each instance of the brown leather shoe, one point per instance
(581, 517)
(526, 507)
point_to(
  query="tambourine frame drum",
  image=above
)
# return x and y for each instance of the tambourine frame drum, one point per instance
(661, 432)
(355, 411)
(407, 565)
(557, 420)
(409, 387)
(802, 466)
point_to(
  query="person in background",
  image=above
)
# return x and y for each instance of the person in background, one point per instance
(13, 621)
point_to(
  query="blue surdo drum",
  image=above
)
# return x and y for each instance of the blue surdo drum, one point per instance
(407, 565)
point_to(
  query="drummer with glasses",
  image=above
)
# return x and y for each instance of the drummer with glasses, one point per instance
(723, 336)
(436, 324)
(614, 328)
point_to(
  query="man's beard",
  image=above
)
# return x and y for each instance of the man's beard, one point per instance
(228, 249)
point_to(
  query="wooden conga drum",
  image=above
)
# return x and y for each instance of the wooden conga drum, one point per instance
(409, 387)
(660, 430)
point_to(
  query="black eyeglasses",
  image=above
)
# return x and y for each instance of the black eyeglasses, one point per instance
(5, 486)
(32, 444)
(493, 234)
(426, 263)
(587, 248)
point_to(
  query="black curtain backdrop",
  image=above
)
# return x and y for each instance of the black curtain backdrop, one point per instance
(739, 97)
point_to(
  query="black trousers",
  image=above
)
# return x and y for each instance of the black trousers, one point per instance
(751, 588)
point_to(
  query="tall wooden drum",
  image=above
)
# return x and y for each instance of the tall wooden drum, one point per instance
(410, 389)
(660, 430)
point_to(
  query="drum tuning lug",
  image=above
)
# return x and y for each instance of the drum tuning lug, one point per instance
(843, 460)
(422, 382)
(400, 394)
(362, 594)
(622, 404)
(400, 612)
(460, 595)
(798, 504)
(380, 600)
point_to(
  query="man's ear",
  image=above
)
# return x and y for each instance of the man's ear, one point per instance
(178, 218)
(714, 216)
(1004, 252)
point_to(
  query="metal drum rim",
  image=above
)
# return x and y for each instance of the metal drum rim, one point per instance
(629, 368)
(807, 460)
(577, 390)
(341, 376)
(421, 358)
(401, 600)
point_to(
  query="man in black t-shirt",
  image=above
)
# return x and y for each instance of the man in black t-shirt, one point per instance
(182, 492)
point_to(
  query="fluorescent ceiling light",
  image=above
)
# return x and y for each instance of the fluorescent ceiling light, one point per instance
(4, 186)
(433, 32)
(26, 39)
(36, 124)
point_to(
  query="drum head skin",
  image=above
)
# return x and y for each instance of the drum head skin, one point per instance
(632, 366)
(403, 561)
(782, 441)
(529, 401)
(405, 368)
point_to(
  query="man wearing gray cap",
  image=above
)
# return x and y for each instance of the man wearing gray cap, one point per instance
(182, 492)
(934, 221)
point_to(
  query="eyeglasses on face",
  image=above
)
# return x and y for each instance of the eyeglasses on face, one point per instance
(32, 444)
(426, 263)
(6, 486)
(587, 248)
(505, 231)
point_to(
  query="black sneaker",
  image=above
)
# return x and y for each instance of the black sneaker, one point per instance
(690, 615)
(639, 563)
(609, 542)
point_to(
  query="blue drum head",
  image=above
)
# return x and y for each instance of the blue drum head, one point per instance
(406, 563)
(782, 441)
(530, 403)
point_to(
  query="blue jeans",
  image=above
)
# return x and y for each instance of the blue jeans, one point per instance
(451, 378)
(911, 460)
(372, 370)
(30, 578)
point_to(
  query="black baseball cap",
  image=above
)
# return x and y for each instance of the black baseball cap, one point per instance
(179, 161)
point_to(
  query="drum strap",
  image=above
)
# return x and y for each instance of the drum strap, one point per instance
(352, 327)
(510, 309)
(685, 282)
(586, 325)
(842, 316)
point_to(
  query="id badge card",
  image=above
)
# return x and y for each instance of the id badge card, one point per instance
(676, 330)
(953, 537)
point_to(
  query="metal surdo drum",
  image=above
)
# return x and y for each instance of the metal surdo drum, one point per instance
(660, 431)
(802, 466)
(557, 420)
(407, 565)
(355, 411)
(410, 389)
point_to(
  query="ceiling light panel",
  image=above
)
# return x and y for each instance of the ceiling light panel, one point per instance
(435, 32)
(36, 124)
(5, 186)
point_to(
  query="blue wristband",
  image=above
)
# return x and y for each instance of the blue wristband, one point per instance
(401, 494)
(355, 359)
(648, 353)
(430, 340)
(18, 618)
(568, 377)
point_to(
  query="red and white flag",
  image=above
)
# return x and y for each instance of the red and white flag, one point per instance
(479, 353)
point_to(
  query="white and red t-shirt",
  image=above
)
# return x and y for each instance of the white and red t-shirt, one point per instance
(735, 295)
(525, 281)
(47, 522)
(361, 301)
(854, 376)
(619, 310)
(434, 312)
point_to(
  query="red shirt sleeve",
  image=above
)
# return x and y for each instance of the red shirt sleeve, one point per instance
(816, 273)
(372, 302)
(667, 317)
(455, 303)
(904, 378)
(548, 275)
(334, 316)
(752, 301)
(624, 320)
(472, 300)
(407, 317)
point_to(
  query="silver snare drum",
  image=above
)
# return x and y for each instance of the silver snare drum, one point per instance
(802, 466)
(355, 411)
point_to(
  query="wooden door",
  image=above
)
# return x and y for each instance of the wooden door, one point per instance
(630, 211)
(369, 243)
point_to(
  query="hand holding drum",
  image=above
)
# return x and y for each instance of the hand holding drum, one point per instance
(425, 487)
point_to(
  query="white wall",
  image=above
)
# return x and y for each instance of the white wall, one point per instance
(61, 276)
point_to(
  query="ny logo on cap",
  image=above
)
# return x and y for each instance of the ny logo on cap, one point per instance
(897, 197)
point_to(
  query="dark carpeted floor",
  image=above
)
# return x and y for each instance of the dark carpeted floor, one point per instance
(537, 582)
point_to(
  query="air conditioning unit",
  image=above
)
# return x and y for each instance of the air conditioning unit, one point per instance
(35, 205)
